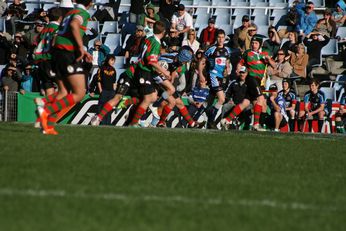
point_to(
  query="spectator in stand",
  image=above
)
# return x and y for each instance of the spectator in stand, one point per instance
(15, 11)
(15, 62)
(5, 48)
(327, 25)
(307, 18)
(107, 12)
(246, 38)
(9, 81)
(65, 6)
(290, 100)
(3, 7)
(99, 53)
(290, 46)
(191, 41)
(149, 29)
(20, 48)
(133, 44)
(181, 22)
(314, 107)
(208, 34)
(106, 83)
(339, 14)
(241, 32)
(299, 61)
(28, 80)
(273, 43)
(278, 117)
(167, 9)
(172, 42)
(87, 37)
(281, 70)
(136, 9)
(30, 37)
(341, 114)
(149, 16)
(314, 44)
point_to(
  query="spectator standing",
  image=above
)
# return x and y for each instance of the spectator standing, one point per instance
(167, 9)
(149, 16)
(327, 25)
(106, 83)
(299, 61)
(208, 34)
(241, 32)
(3, 7)
(339, 14)
(9, 81)
(20, 48)
(307, 18)
(30, 37)
(15, 11)
(27, 80)
(136, 9)
(246, 37)
(191, 41)
(281, 70)
(5, 48)
(181, 22)
(107, 12)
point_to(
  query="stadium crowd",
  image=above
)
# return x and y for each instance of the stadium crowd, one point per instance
(246, 76)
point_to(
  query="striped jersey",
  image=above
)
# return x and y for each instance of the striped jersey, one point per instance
(290, 97)
(255, 62)
(172, 64)
(149, 54)
(44, 41)
(217, 60)
(65, 39)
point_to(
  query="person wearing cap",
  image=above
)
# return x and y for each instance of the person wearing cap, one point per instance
(236, 95)
(246, 37)
(208, 34)
(20, 48)
(133, 43)
(278, 117)
(149, 16)
(256, 60)
(291, 101)
(314, 107)
(27, 80)
(10, 79)
(282, 69)
(181, 22)
(339, 15)
(307, 18)
(218, 59)
(314, 43)
(240, 32)
(327, 25)
(177, 65)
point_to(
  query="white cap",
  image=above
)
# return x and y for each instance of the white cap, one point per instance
(242, 69)
(66, 4)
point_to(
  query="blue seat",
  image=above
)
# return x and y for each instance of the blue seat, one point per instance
(109, 27)
(331, 48)
(113, 41)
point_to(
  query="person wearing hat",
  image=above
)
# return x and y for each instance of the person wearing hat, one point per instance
(314, 43)
(208, 34)
(291, 101)
(339, 15)
(236, 95)
(247, 35)
(10, 79)
(99, 53)
(277, 105)
(256, 60)
(327, 25)
(181, 22)
(240, 32)
(149, 16)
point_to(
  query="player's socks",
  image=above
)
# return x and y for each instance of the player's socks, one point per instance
(257, 113)
(60, 104)
(105, 109)
(49, 98)
(300, 124)
(234, 113)
(165, 112)
(291, 123)
(51, 120)
(185, 113)
(131, 101)
(310, 125)
(320, 125)
(213, 112)
(137, 116)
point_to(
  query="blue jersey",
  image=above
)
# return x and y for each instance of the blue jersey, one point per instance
(315, 100)
(290, 97)
(217, 59)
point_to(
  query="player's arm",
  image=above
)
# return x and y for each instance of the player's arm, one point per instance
(275, 105)
(159, 69)
(201, 67)
(75, 29)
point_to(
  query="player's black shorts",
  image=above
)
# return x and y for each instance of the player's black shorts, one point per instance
(146, 82)
(64, 63)
(126, 85)
(253, 88)
(46, 74)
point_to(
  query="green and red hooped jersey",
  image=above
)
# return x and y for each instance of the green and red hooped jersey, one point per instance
(151, 49)
(44, 42)
(65, 39)
(255, 62)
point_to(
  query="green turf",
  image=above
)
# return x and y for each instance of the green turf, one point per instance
(89, 178)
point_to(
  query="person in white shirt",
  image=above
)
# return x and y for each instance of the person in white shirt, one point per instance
(181, 22)
(191, 41)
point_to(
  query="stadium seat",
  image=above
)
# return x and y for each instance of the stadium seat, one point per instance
(222, 19)
(201, 21)
(30, 7)
(240, 11)
(119, 62)
(119, 71)
(277, 2)
(341, 32)
(340, 94)
(261, 20)
(109, 27)
(2, 24)
(329, 93)
(125, 41)
(227, 28)
(255, 2)
(93, 24)
(331, 48)
(318, 3)
(113, 41)
(123, 9)
(47, 6)
(339, 81)
(262, 30)
(201, 11)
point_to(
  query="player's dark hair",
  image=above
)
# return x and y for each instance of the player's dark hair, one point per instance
(54, 14)
(84, 2)
(315, 81)
(159, 27)
(220, 31)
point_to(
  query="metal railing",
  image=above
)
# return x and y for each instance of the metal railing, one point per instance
(8, 106)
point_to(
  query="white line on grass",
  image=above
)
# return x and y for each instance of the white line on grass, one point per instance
(166, 199)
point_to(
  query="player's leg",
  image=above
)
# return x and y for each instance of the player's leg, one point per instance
(321, 115)
(185, 113)
(215, 108)
(278, 119)
(143, 106)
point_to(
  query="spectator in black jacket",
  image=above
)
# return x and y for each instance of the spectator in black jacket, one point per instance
(5, 48)
(136, 9)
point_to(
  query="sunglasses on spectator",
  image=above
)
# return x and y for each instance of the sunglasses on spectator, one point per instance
(281, 54)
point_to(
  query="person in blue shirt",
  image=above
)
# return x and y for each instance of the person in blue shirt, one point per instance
(307, 18)
(291, 101)
(278, 117)
(217, 62)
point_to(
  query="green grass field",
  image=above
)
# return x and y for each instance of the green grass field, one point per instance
(107, 178)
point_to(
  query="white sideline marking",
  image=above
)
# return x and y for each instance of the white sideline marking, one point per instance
(166, 199)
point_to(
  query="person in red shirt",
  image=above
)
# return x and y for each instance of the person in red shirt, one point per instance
(208, 34)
